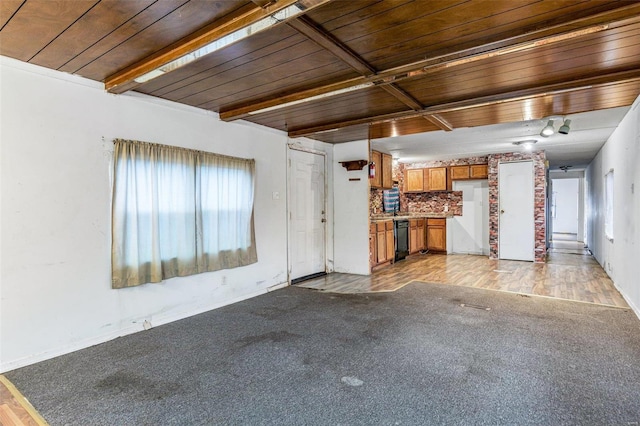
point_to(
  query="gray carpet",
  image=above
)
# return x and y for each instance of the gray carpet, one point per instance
(302, 357)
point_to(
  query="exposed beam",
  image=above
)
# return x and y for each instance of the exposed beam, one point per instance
(526, 93)
(538, 38)
(240, 19)
(439, 121)
(308, 28)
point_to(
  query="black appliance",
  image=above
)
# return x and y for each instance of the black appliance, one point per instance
(401, 231)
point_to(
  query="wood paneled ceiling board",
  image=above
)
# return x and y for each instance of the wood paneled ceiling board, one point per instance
(402, 127)
(180, 23)
(7, 9)
(353, 133)
(235, 57)
(602, 97)
(347, 69)
(37, 23)
(87, 31)
(111, 38)
(350, 105)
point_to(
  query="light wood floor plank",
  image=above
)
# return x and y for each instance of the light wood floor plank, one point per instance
(564, 276)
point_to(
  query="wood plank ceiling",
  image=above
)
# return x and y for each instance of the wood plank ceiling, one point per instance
(347, 70)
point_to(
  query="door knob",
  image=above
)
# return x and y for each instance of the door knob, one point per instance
(501, 211)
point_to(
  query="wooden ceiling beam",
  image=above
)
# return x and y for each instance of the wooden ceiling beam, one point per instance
(243, 17)
(309, 29)
(438, 121)
(535, 39)
(526, 93)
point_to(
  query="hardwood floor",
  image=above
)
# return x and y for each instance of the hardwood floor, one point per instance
(15, 410)
(565, 276)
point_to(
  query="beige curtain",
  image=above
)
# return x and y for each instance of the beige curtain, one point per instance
(178, 212)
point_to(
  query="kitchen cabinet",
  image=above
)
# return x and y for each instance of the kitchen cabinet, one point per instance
(479, 171)
(414, 180)
(437, 235)
(381, 243)
(474, 171)
(435, 179)
(459, 172)
(376, 158)
(416, 235)
(387, 171)
(383, 178)
(373, 250)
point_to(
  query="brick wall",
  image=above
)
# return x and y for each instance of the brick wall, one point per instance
(539, 171)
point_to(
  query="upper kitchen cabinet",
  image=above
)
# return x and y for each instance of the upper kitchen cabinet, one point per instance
(414, 180)
(387, 171)
(479, 171)
(376, 159)
(435, 179)
(474, 171)
(383, 177)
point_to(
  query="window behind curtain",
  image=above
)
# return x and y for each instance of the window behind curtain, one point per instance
(179, 212)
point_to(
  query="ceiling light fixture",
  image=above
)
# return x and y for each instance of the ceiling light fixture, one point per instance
(263, 24)
(564, 129)
(565, 168)
(526, 144)
(548, 130)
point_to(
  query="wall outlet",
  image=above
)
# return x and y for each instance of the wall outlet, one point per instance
(224, 280)
(147, 325)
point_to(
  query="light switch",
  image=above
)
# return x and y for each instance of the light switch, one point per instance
(276, 195)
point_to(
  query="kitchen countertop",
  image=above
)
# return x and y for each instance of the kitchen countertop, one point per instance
(407, 215)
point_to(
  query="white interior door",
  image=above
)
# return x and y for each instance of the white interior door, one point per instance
(516, 206)
(307, 213)
(470, 232)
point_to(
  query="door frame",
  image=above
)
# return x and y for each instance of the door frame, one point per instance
(297, 147)
(533, 195)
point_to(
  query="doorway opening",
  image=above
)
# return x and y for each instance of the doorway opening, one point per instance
(567, 216)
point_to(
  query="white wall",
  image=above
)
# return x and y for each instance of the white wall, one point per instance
(55, 150)
(565, 193)
(619, 257)
(351, 210)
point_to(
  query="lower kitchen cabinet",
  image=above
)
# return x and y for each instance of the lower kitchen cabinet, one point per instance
(437, 235)
(416, 236)
(381, 243)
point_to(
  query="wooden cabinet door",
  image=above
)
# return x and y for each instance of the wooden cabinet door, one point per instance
(381, 248)
(414, 180)
(437, 179)
(373, 256)
(387, 174)
(376, 158)
(479, 171)
(437, 235)
(459, 172)
(421, 235)
(391, 245)
(413, 239)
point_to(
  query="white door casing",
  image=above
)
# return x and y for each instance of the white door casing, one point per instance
(470, 232)
(516, 211)
(307, 213)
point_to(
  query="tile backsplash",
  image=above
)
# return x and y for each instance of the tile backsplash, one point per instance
(425, 202)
